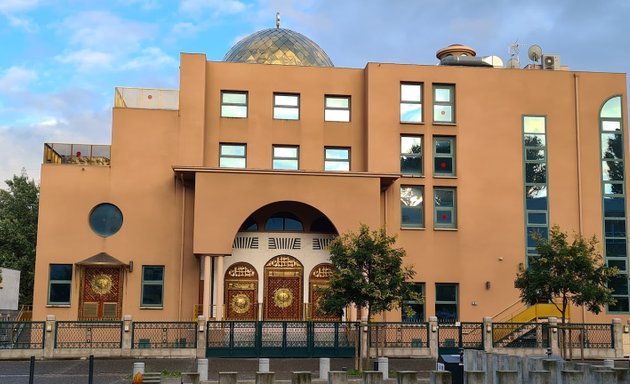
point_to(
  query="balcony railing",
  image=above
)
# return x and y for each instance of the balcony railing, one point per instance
(146, 98)
(80, 154)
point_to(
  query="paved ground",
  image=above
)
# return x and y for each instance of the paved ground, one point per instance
(118, 371)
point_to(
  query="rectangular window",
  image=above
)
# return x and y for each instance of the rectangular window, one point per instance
(411, 206)
(233, 104)
(233, 156)
(444, 208)
(411, 102)
(443, 103)
(411, 155)
(443, 156)
(59, 284)
(337, 159)
(446, 302)
(152, 286)
(535, 177)
(337, 108)
(286, 106)
(413, 310)
(286, 157)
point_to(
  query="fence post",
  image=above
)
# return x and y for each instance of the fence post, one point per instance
(201, 337)
(49, 337)
(553, 336)
(617, 334)
(127, 336)
(433, 336)
(488, 340)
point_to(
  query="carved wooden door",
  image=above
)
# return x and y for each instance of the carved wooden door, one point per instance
(100, 297)
(283, 289)
(241, 293)
(318, 279)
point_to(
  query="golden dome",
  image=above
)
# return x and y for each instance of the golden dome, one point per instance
(278, 46)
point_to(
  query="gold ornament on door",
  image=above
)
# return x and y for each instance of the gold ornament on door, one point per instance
(241, 303)
(283, 297)
(101, 284)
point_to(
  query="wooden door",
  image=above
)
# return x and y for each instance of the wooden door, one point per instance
(100, 297)
(284, 298)
(318, 279)
(241, 293)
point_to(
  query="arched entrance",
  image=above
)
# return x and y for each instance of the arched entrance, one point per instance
(241, 293)
(319, 278)
(283, 289)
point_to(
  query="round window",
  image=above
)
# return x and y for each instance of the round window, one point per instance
(106, 219)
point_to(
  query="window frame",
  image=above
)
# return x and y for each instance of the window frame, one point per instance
(274, 157)
(59, 282)
(333, 109)
(152, 282)
(222, 156)
(286, 106)
(412, 155)
(452, 210)
(447, 302)
(229, 104)
(420, 207)
(451, 156)
(406, 302)
(450, 103)
(411, 102)
(337, 161)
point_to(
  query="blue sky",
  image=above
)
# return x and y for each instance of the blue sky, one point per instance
(61, 59)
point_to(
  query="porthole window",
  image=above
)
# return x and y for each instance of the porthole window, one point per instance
(106, 219)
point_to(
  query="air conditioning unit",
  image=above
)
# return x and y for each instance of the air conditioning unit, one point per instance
(551, 62)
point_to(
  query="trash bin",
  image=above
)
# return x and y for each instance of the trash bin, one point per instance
(453, 364)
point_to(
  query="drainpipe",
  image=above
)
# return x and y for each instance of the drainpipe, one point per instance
(181, 251)
(579, 163)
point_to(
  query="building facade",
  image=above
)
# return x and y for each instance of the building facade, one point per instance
(220, 198)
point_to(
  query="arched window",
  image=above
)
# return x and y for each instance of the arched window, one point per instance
(323, 225)
(249, 226)
(284, 221)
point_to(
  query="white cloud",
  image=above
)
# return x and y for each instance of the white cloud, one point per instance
(151, 57)
(214, 7)
(20, 22)
(17, 5)
(16, 79)
(87, 60)
(187, 29)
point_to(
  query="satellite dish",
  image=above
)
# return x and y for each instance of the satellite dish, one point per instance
(534, 53)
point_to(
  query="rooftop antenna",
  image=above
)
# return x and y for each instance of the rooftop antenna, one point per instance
(277, 20)
(514, 60)
(534, 53)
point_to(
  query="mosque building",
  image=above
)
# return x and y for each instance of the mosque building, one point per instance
(219, 198)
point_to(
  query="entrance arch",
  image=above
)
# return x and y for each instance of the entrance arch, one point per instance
(284, 295)
(319, 278)
(241, 292)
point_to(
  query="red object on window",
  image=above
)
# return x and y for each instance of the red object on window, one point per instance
(150, 97)
(444, 217)
(443, 113)
(443, 164)
(78, 153)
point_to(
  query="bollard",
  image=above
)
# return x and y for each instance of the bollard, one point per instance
(202, 369)
(91, 370)
(440, 377)
(337, 377)
(301, 377)
(263, 365)
(507, 377)
(474, 377)
(406, 377)
(264, 377)
(383, 367)
(31, 373)
(324, 367)
(228, 377)
(372, 377)
(609, 363)
(138, 367)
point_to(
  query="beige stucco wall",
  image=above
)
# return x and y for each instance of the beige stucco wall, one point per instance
(163, 228)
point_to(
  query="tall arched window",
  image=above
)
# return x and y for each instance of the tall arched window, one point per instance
(614, 199)
(284, 221)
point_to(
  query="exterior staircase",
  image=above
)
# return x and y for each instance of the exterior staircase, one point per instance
(521, 313)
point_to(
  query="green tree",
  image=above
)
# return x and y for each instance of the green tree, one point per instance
(368, 272)
(19, 206)
(566, 272)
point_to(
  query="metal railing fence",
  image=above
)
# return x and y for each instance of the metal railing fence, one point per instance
(164, 334)
(21, 335)
(468, 335)
(399, 335)
(88, 334)
(581, 335)
(520, 335)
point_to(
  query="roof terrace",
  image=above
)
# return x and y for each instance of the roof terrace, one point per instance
(79, 154)
(146, 98)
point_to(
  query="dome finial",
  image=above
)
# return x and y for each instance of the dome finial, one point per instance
(277, 20)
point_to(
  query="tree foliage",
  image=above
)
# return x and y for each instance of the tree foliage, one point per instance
(19, 205)
(565, 273)
(368, 272)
